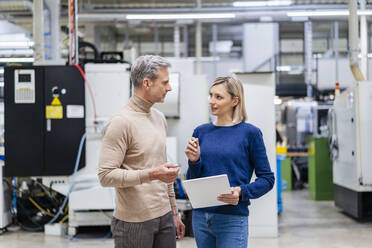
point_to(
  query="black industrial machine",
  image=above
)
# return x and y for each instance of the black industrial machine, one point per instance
(44, 120)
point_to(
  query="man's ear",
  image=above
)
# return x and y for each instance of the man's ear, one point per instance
(146, 83)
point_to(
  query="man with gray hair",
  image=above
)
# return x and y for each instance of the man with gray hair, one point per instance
(133, 160)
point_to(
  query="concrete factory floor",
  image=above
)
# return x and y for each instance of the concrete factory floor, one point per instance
(303, 223)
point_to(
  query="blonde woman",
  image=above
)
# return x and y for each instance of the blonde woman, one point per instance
(233, 147)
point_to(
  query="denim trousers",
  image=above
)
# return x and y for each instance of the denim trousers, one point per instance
(213, 230)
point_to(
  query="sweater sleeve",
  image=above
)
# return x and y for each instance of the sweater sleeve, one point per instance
(195, 168)
(265, 177)
(172, 196)
(114, 146)
(171, 193)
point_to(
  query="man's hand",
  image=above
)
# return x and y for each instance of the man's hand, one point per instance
(232, 198)
(193, 150)
(166, 173)
(180, 227)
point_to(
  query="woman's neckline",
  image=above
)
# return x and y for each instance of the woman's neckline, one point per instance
(225, 126)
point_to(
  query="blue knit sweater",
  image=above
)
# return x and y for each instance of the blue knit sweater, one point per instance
(236, 151)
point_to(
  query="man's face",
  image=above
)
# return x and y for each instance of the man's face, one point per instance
(159, 87)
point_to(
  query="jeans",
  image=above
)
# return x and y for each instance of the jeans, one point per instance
(155, 233)
(220, 230)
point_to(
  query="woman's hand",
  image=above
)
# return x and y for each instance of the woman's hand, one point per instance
(193, 150)
(232, 198)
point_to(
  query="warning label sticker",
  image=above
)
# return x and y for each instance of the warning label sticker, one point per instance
(56, 101)
(54, 112)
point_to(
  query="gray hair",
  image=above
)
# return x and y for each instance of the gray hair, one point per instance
(146, 67)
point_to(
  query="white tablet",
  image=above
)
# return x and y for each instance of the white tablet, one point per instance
(203, 192)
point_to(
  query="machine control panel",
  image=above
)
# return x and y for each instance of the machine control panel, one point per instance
(24, 86)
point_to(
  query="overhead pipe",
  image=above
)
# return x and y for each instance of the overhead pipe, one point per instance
(38, 32)
(156, 39)
(54, 12)
(185, 41)
(73, 32)
(198, 41)
(198, 46)
(336, 48)
(214, 50)
(176, 39)
(353, 41)
(363, 40)
(308, 58)
(127, 46)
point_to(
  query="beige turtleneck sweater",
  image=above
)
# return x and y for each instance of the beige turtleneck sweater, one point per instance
(133, 143)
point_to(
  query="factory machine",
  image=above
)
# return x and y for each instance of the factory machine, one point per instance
(5, 202)
(54, 123)
(350, 146)
(44, 120)
(49, 113)
(304, 118)
(320, 118)
(108, 90)
(5, 185)
(298, 117)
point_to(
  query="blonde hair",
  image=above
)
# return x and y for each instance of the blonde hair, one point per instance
(235, 88)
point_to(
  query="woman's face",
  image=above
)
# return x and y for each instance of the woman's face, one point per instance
(221, 101)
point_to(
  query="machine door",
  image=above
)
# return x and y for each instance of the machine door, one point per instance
(365, 124)
(24, 121)
(64, 90)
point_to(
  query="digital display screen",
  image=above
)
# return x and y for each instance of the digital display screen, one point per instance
(24, 78)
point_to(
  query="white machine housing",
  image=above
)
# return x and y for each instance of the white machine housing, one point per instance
(352, 168)
(110, 85)
(351, 143)
(89, 203)
(5, 216)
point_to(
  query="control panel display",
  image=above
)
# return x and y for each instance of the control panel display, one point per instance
(24, 86)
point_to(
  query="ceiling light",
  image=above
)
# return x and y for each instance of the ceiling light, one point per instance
(283, 68)
(10, 60)
(364, 12)
(327, 13)
(16, 44)
(319, 13)
(16, 52)
(261, 3)
(180, 16)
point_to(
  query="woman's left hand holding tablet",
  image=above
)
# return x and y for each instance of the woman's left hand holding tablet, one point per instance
(232, 198)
